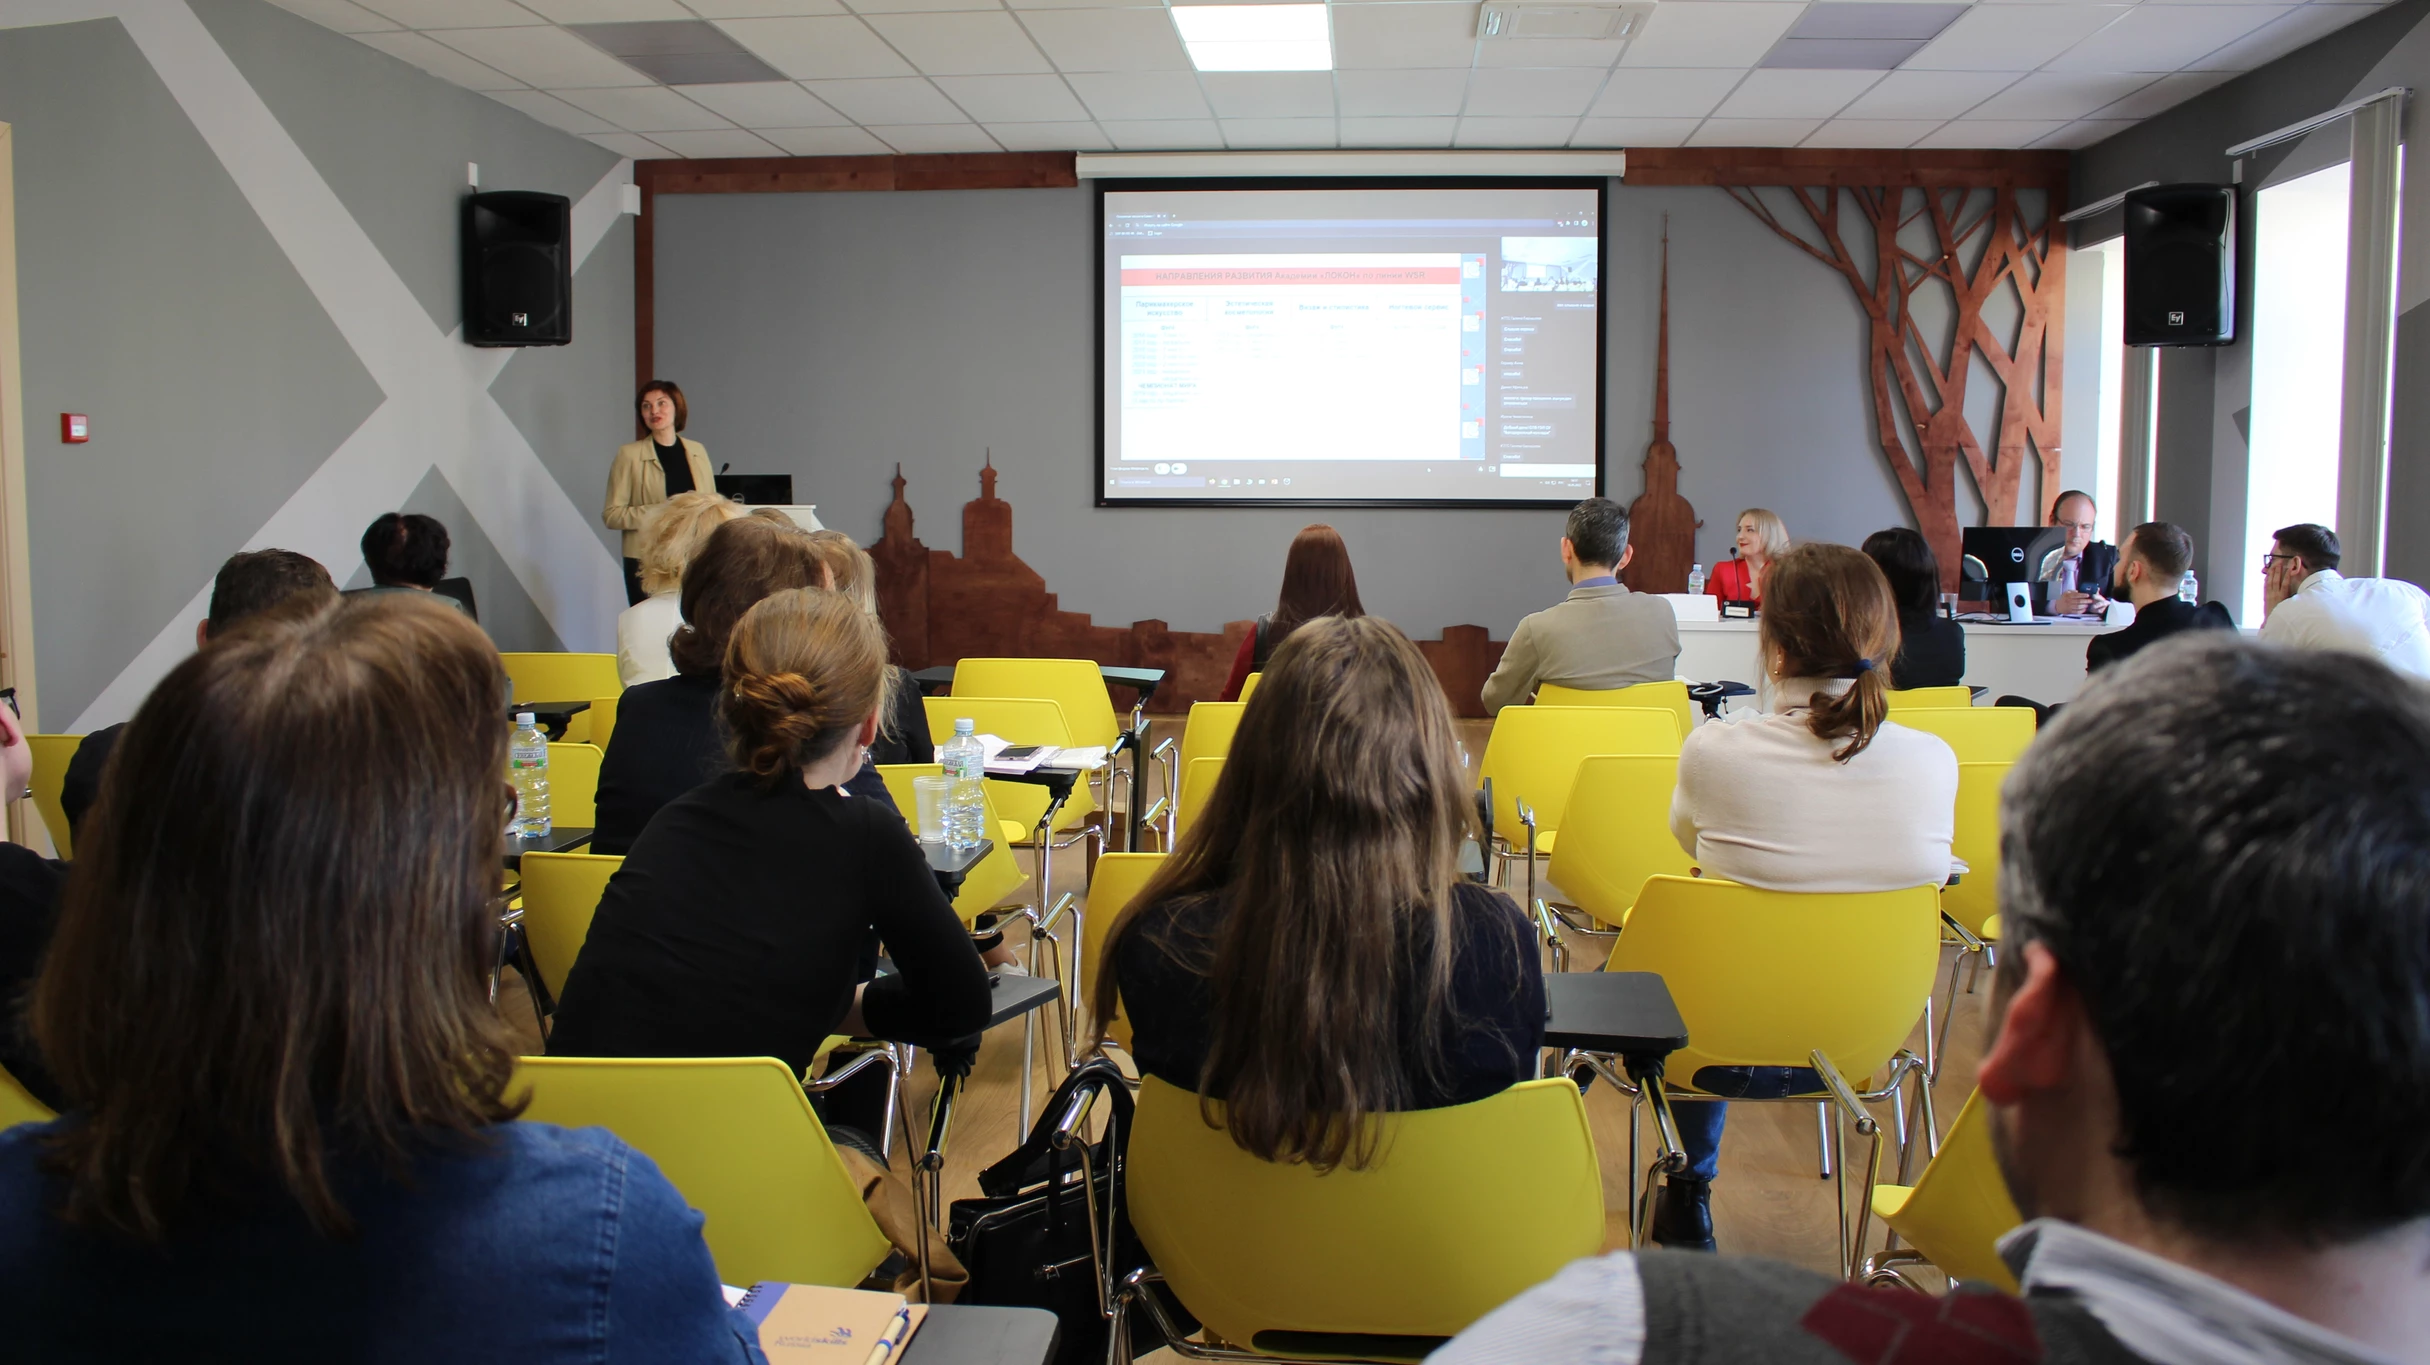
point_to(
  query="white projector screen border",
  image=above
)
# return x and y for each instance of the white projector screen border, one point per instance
(1105, 493)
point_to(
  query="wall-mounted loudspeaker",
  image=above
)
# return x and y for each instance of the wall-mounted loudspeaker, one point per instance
(2181, 265)
(518, 269)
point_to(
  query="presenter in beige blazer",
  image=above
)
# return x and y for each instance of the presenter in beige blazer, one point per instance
(651, 470)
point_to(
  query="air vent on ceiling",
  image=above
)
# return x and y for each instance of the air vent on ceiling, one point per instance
(679, 51)
(1518, 19)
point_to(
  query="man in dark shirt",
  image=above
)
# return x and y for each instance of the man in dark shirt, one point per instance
(2078, 570)
(2156, 556)
(251, 581)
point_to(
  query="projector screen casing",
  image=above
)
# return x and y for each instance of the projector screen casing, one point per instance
(1599, 187)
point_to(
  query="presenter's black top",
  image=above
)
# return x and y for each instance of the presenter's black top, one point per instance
(1931, 651)
(737, 925)
(677, 468)
(667, 742)
(1489, 1041)
(2151, 625)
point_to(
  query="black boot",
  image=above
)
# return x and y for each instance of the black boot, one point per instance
(1683, 1214)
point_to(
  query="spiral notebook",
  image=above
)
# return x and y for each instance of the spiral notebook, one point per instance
(810, 1324)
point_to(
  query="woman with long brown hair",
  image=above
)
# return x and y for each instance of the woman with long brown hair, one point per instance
(1317, 581)
(1819, 791)
(1310, 954)
(288, 1133)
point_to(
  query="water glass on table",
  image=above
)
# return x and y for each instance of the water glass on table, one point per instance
(930, 794)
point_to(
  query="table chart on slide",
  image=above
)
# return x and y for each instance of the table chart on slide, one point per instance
(1351, 356)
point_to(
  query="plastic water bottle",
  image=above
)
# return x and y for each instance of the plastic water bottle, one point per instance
(965, 761)
(1695, 580)
(527, 768)
(2189, 588)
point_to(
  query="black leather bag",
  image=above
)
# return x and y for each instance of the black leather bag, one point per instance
(1027, 1241)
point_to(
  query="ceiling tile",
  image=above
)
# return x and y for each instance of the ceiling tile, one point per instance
(763, 9)
(730, 142)
(1014, 99)
(905, 99)
(1400, 94)
(633, 145)
(1706, 33)
(1753, 132)
(443, 62)
(1795, 94)
(455, 13)
(920, 139)
(1278, 132)
(1049, 137)
(910, 6)
(1108, 39)
(2165, 94)
(1634, 132)
(1514, 132)
(1989, 133)
(611, 11)
(765, 104)
(1154, 135)
(1665, 92)
(1840, 54)
(2086, 132)
(344, 16)
(554, 112)
(1270, 94)
(1027, 6)
(1397, 132)
(550, 58)
(961, 44)
(2164, 37)
(2012, 37)
(2059, 95)
(1874, 21)
(1541, 52)
(2307, 24)
(1139, 96)
(818, 49)
(1926, 94)
(1562, 92)
(1870, 132)
(825, 141)
(1366, 36)
(645, 109)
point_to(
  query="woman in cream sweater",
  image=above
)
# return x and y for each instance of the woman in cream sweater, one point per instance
(649, 471)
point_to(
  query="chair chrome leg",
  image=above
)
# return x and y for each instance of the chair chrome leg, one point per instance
(1839, 1189)
(1822, 1137)
(1932, 1046)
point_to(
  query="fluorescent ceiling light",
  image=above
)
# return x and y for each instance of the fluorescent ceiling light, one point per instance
(1256, 37)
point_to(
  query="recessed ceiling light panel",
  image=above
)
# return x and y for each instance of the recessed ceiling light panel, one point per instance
(1256, 37)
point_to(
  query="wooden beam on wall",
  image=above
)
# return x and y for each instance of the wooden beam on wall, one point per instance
(1853, 166)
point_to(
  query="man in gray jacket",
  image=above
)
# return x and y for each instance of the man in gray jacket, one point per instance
(1601, 636)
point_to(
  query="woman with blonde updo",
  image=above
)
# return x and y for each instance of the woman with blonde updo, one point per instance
(742, 921)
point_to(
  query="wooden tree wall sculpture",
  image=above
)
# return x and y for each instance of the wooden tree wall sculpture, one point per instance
(1974, 247)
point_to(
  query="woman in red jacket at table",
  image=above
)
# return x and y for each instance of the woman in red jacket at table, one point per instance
(1762, 537)
(1317, 581)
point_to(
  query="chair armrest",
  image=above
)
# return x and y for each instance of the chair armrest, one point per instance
(1969, 941)
(875, 1056)
(1843, 1094)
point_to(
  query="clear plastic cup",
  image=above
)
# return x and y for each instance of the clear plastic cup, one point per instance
(931, 793)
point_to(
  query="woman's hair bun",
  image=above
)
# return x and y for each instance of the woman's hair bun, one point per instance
(804, 669)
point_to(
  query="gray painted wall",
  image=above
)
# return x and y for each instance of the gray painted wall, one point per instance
(830, 336)
(2202, 450)
(155, 299)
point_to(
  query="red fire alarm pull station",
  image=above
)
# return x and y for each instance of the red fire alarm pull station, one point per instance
(74, 428)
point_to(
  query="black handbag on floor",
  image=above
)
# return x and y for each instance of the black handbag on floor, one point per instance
(1027, 1241)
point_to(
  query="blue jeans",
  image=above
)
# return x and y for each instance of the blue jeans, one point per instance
(1700, 1120)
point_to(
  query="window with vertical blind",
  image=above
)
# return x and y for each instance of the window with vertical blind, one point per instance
(2299, 356)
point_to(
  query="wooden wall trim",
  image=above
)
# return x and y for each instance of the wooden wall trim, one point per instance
(1827, 166)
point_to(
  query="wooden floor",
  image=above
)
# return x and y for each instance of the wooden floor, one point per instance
(1768, 1201)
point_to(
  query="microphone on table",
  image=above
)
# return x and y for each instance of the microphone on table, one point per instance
(726, 468)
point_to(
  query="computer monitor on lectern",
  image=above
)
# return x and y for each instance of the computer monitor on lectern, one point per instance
(2006, 554)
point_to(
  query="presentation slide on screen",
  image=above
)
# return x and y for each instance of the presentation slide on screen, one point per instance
(1351, 345)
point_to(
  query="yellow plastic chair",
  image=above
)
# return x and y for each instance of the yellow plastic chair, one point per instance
(1206, 733)
(1119, 879)
(1020, 720)
(561, 892)
(1977, 734)
(1670, 695)
(1618, 825)
(564, 677)
(18, 1105)
(1077, 685)
(1532, 758)
(1463, 1208)
(1197, 787)
(1925, 698)
(573, 784)
(603, 720)
(1972, 907)
(736, 1136)
(1248, 686)
(51, 756)
(989, 880)
(1954, 1213)
(1834, 981)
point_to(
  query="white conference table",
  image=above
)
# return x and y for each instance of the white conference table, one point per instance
(2044, 661)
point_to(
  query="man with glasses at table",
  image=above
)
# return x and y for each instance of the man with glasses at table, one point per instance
(2080, 569)
(2308, 604)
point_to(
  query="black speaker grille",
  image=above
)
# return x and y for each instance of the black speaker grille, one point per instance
(519, 288)
(517, 269)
